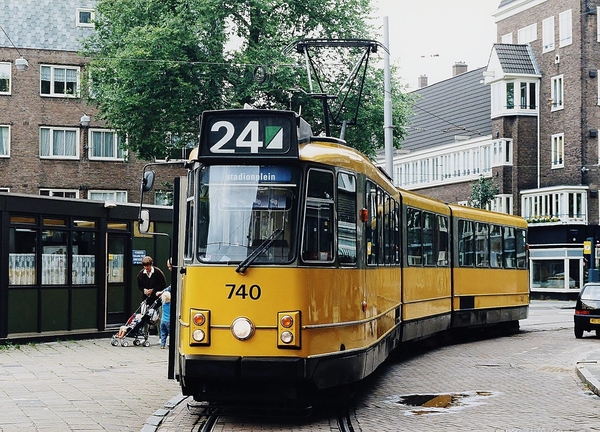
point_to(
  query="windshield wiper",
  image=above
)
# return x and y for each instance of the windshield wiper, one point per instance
(250, 258)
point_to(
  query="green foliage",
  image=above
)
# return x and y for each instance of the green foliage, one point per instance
(483, 192)
(157, 64)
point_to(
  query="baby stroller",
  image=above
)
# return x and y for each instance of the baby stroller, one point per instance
(137, 325)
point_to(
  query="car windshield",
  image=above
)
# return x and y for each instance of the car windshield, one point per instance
(591, 292)
(243, 207)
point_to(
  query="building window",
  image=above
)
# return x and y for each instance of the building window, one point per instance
(502, 203)
(59, 81)
(4, 141)
(548, 34)
(527, 95)
(59, 143)
(106, 195)
(85, 17)
(555, 206)
(507, 38)
(565, 28)
(527, 34)
(502, 152)
(5, 71)
(163, 198)
(63, 193)
(558, 150)
(510, 95)
(105, 145)
(557, 92)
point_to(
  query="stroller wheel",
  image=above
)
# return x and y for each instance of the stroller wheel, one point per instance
(114, 342)
(136, 342)
(146, 343)
(124, 343)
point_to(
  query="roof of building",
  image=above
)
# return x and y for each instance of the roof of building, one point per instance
(516, 59)
(43, 24)
(457, 107)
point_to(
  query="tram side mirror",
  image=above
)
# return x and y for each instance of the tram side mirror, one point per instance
(144, 221)
(148, 181)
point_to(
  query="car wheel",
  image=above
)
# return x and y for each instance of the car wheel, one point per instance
(578, 332)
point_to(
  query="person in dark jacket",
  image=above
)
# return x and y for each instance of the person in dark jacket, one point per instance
(150, 280)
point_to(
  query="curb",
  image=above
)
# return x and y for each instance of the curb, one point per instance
(154, 421)
(587, 377)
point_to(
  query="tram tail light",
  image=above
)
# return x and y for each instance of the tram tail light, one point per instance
(288, 330)
(199, 327)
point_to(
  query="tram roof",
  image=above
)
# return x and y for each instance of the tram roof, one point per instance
(487, 216)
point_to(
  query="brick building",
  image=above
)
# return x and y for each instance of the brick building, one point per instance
(51, 141)
(529, 119)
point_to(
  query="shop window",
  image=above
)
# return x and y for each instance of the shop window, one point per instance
(54, 257)
(21, 255)
(84, 258)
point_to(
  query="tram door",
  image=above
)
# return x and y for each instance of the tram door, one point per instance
(116, 289)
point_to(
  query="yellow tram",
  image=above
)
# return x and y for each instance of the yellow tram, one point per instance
(302, 267)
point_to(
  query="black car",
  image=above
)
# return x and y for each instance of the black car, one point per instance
(587, 310)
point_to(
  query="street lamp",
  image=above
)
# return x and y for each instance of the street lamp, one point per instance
(21, 64)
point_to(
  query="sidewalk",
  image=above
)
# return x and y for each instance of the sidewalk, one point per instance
(82, 385)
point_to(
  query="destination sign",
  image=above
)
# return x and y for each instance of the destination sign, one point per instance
(248, 133)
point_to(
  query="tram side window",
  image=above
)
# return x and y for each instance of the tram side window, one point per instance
(441, 240)
(317, 244)
(428, 246)
(510, 253)
(521, 249)
(347, 218)
(371, 228)
(189, 216)
(465, 243)
(413, 236)
(495, 246)
(392, 250)
(482, 251)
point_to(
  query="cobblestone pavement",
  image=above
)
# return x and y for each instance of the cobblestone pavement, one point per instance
(84, 385)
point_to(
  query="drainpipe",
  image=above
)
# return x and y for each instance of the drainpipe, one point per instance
(538, 132)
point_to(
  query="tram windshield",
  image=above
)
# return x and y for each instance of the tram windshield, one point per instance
(247, 209)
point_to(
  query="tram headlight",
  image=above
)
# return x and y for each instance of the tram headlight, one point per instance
(287, 337)
(199, 327)
(242, 328)
(198, 335)
(288, 329)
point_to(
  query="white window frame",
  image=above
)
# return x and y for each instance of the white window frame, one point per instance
(5, 189)
(555, 205)
(598, 23)
(115, 196)
(502, 203)
(59, 192)
(548, 35)
(527, 34)
(558, 150)
(507, 38)
(557, 92)
(502, 152)
(6, 69)
(119, 154)
(78, 13)
(52, 143)
(4, 135)
(52, 79)
(565, 28)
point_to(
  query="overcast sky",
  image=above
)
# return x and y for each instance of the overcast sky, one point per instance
(428, 37)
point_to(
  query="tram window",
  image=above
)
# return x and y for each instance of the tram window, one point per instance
(510, 253)
(189, 216)
(441, 241)
(371, 228)
(317, 241)
(521, 243)
(347, 218)
(413, 236)
(465, 243)
(482, 250)
(428, 226)
(391, 233)
(495, 246)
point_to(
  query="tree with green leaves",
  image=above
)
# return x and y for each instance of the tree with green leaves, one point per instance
(483, 192)
(155, 65)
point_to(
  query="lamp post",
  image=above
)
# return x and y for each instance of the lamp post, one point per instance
(85, 122)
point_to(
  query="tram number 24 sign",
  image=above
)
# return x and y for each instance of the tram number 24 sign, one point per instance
(251, 291)
(248, 134)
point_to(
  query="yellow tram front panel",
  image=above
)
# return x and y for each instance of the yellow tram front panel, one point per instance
(332, 306)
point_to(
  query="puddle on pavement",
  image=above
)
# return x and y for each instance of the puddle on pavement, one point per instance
(428, 404)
